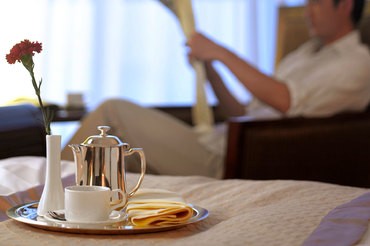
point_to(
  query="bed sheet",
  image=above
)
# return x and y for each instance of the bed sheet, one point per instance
(242, 212)
(22, 173)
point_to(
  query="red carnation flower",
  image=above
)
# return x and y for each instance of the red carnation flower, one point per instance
(21, 49)
(23, 53)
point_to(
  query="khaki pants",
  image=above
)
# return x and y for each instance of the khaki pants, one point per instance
(171, 146)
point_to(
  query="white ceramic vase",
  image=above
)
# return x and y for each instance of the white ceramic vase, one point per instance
(52, 197)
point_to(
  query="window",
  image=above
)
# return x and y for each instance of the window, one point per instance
(132, 49)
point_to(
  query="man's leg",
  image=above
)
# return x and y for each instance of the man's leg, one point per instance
(170, 145)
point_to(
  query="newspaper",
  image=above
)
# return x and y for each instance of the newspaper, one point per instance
(202, 114)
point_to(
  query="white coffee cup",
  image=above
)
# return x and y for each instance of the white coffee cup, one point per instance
(90, 203)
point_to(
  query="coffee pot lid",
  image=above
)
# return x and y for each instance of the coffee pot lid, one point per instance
(104, 140)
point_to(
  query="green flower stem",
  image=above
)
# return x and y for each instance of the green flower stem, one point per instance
(44, 113)
(28, 64)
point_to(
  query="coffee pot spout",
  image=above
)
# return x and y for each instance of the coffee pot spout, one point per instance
(78, 154)
(77, 151)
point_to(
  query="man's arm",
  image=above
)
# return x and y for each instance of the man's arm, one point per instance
(227, 102)
(265, 88)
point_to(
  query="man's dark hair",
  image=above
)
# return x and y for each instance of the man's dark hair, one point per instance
(358, 7)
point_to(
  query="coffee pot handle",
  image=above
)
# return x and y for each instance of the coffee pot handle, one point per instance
(143, 168)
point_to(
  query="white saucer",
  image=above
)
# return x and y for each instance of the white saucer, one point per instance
(114, 217)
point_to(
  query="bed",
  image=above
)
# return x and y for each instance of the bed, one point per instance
(241, 212)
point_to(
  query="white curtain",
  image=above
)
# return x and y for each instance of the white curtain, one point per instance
(133, 49)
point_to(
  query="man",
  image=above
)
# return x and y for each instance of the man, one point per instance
(329, 74)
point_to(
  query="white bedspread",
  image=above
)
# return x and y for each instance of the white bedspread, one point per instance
(242, 212)
(22, 173)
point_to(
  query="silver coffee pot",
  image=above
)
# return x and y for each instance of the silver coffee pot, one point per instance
(100, 160)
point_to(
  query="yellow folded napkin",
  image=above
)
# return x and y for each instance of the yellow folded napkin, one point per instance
(150, 207)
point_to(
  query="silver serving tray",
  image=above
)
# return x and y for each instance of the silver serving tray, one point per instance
(27, 214)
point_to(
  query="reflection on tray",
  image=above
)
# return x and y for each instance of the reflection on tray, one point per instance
(28, 212)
